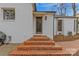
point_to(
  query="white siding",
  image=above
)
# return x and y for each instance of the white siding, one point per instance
(68, 25)
(48, 26)
(21, 29)
(55, 26)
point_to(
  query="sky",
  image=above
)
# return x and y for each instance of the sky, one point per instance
(53, 7)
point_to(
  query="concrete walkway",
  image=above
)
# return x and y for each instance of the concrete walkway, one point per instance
(5, 49)
(71, 46)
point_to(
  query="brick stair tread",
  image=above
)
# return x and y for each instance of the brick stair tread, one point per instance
(40, 38)
(40, 42)
(39, 47)
(38, 35)
(22, 45)
(40, 53)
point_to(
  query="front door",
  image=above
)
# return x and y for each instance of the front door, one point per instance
(38, 25)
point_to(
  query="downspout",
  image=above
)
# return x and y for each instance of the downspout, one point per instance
(53, 26)
(76, 25)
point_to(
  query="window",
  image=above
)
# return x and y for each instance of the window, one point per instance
(8, 13)
(59, 25)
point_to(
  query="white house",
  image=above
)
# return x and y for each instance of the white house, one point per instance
(20, 26)
(65, 24)
(21, 22)
(66, 27)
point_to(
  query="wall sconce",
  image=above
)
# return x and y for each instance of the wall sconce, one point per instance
(45, 17)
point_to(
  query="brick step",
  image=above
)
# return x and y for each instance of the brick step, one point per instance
(40, 53)
(39, 39)
(39, 47)
(39, 35)
(39, 43)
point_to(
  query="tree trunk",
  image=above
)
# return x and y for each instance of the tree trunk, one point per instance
(74, 9)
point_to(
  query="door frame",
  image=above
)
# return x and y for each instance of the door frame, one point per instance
(37, 23)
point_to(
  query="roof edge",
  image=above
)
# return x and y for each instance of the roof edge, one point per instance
(66, 16)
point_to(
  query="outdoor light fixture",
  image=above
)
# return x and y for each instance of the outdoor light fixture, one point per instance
(45, 17)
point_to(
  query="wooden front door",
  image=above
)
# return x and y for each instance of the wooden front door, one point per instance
(38, 25)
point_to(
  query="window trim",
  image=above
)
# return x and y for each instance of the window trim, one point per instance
(8, 9)
(58, 25)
